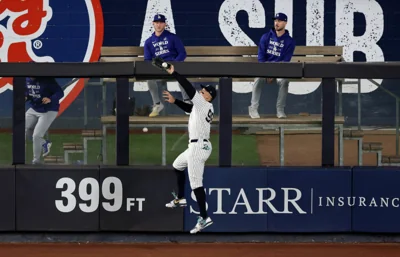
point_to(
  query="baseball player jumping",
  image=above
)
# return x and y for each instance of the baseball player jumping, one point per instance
(199, 148)
(43, 96)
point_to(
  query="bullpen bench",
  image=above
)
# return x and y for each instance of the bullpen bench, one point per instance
(225, 54)
(232, 54)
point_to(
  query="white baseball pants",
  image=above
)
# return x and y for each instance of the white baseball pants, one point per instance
(194, 159)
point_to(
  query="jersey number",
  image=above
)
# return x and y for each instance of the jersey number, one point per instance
(210, 116)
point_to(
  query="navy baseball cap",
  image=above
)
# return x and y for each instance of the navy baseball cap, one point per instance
(280, 16)
(210, 89)
(159, 17)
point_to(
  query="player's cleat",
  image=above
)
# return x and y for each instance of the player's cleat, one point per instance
(46, 148)
(280, 114)
(156, 110)
(201, 224)
(253, 113)
(176, 202)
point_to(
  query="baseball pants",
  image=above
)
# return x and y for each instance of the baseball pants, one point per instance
(194, 159)
(36, 125)
(153, 88)
(282, 93)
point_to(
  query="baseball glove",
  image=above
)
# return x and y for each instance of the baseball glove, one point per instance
(160, 64)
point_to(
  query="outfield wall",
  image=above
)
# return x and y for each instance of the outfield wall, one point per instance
(245, 200)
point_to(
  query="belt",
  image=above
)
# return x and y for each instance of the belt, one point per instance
(196, 140)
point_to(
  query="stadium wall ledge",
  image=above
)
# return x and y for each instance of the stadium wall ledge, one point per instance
(127, 204)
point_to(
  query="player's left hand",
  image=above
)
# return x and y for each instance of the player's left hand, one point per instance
(46, 100)
(171, 69)
(168, 97)
(159, 63)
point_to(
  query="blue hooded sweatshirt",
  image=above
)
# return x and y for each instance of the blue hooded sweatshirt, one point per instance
(38, 88)
(276, 49)
(168, 46)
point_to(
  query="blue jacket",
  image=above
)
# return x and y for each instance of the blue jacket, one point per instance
(168, 46)
(276, 49)
(38, 88)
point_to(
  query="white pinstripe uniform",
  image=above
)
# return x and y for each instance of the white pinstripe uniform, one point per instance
(198, 152)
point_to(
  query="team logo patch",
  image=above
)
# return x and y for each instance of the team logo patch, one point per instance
(51, 31)
(206, 147)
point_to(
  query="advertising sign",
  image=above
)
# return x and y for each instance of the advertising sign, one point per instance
(134, 199)
(57, 198)
(284, 200)
(233, 198)
(309, 200)
(375, 200)
(276, 200)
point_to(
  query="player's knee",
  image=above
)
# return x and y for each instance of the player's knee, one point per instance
(195, 185)
(283, 83)
(178, 168)
(37, 136)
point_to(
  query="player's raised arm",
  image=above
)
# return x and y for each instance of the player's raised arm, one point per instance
(197, 100)
(181, 104)
(190, 90)
(208, 93)
(186, 85)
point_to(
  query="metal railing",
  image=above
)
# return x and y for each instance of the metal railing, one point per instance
(359, 118)
(122, 71)
(397, 110)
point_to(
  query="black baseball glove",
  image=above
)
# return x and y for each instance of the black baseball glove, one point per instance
(158, 63)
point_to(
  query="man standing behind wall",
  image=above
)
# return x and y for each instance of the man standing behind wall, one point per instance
(275, 46)
(169, 47)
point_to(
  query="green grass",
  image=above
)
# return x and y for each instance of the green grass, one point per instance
(145, 149)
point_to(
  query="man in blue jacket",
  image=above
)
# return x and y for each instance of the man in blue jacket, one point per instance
(168, 46)
(275, 46)
(43, 96)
